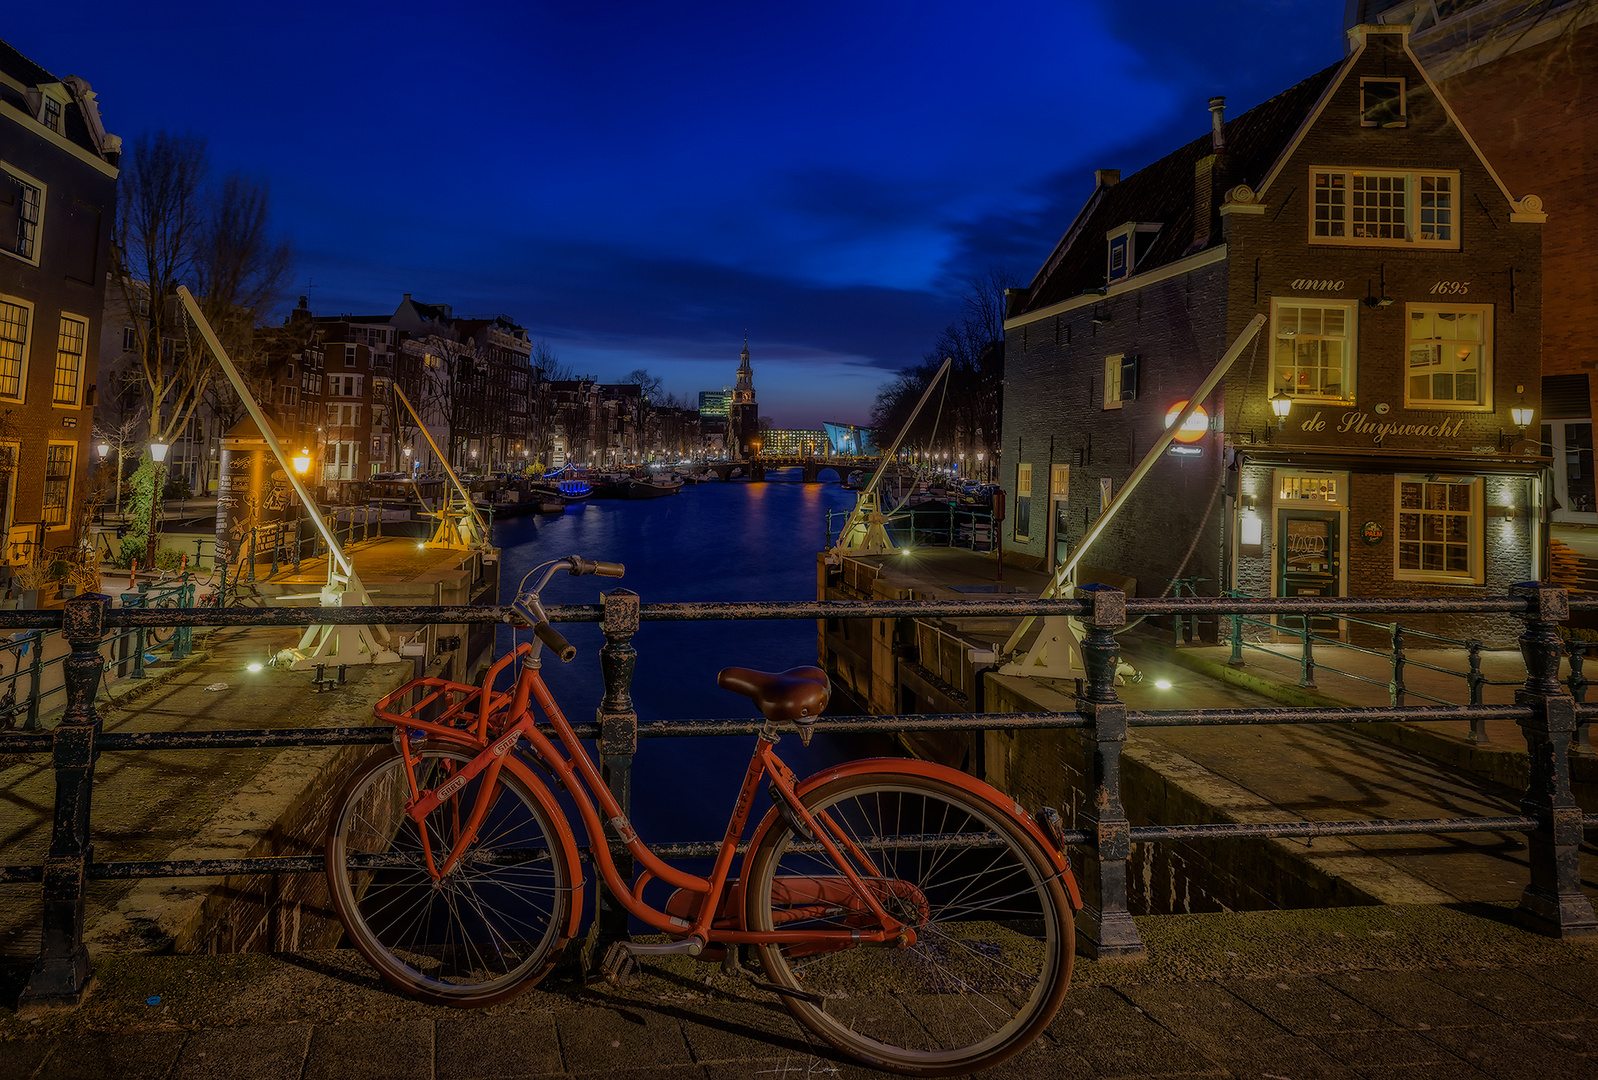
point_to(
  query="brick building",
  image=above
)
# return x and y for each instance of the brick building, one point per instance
(58, 171)
(1522, 77)
(1399, 278)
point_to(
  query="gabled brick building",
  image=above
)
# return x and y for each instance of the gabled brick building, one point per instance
(1400, 281)
(58, 171)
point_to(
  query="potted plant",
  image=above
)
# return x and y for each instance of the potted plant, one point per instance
(26, 581)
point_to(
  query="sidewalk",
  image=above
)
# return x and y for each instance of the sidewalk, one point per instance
(1349, 994)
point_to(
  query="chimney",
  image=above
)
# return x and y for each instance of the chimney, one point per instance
(1103, 178)
(1210, 177)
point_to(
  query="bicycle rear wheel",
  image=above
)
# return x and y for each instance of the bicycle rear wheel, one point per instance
(994, 939)
(485, 931)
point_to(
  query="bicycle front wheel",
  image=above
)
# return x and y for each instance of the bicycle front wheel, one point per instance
(993, 936)
(487, 929)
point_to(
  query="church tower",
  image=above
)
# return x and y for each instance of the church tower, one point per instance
(743, 416)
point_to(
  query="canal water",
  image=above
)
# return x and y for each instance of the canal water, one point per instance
(716, 541)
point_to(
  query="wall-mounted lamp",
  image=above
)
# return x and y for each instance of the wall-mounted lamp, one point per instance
(302, 462)
(1281, 405)
(1250, 526)
(1378, 301)
(1522, 415)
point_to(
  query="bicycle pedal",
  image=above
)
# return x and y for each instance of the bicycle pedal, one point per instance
(619, 965)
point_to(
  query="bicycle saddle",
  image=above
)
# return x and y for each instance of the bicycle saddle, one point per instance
(781, 696)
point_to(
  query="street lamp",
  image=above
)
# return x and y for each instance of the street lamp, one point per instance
(158, 451)
(1281, 405)
(302, 461)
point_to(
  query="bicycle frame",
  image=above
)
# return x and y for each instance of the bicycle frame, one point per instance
(491, 744)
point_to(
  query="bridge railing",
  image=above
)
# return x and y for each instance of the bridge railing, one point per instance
(1103, 835)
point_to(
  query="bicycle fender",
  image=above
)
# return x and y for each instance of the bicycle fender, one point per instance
(568, 842)
(970, 784)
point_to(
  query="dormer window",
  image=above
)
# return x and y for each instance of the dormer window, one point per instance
(1381, 102)
(50, 114)
(1128, 244)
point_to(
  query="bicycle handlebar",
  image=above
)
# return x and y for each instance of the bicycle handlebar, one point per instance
(551, 637)
(580, 566)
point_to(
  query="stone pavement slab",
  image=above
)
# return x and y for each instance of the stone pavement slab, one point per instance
(256, 1053)
(375, 1050)
(97, 1055)
(1410, 999)
(496, 1048)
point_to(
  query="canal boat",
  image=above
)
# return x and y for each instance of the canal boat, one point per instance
(567, 484)
(653, 487)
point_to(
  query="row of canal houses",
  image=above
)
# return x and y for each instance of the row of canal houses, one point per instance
(1388, 431)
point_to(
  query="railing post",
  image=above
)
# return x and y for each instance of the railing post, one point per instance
(35, 677)
(1578, 689)
(140, 636)
(1176, 620)
(277, 546)
(618, 737)
(1109, 930)
(1306, 663)
(1553, 902)
(1395, 688)
(183, 636)
(1477, 681)
(252, 552)
(1237, 641)
(63, 967)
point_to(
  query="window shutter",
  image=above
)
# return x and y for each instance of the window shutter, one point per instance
(10, 212)
(1129, 378)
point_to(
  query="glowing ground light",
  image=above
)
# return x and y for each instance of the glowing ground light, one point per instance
(904, 551)
(253, 667)
(1162, 684)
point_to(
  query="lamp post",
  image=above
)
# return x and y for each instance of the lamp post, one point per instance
(158, 451)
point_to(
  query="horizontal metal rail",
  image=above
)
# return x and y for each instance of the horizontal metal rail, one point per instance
(1544, 710)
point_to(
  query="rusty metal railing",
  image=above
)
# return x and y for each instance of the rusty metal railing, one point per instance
(1552, 902)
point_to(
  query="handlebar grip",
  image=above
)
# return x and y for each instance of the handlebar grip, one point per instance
(551, 637)
(580, 566)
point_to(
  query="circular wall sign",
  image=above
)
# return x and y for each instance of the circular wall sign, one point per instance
(1198, 422)
(1372, 533)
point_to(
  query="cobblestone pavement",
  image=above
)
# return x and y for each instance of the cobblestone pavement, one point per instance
(1376, 992)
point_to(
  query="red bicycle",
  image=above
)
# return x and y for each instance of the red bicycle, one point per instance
(910, 915)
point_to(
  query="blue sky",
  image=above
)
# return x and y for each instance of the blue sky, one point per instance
(637, 184)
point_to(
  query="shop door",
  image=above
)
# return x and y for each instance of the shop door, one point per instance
(1059, 511)
(1308, 562)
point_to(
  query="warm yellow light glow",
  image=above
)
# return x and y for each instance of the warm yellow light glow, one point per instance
(302, 461)
(1162, 684)
(253, 667)
(1250, 528)
(1522, 415)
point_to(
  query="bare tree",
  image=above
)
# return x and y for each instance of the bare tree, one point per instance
(544, 410)
(175, 227)
(972, 405)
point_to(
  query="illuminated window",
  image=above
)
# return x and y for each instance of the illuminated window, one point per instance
(1023, 501)
(57, 484)
(1439, 529)
(21, 212)
(1362, 206)
(1120, 380)
(69, 360)
(1450, 355)
(1312, 355)
(14, 319)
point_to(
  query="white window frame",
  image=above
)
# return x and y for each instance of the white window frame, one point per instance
(1484, 379)
(1412, 208)
(38, 228)
(1112, 380)
(1403, 101)
(27, 344)
(71, 479)
(1023, 490)
(1350, 339)
(1475, 536)
(76, 401)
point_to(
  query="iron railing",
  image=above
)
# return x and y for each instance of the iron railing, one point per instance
(951, 525)
(1547, 712)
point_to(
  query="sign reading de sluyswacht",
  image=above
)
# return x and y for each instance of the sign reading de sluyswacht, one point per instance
(1359, 423)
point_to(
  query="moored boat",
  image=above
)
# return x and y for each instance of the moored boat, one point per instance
(653, 487)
